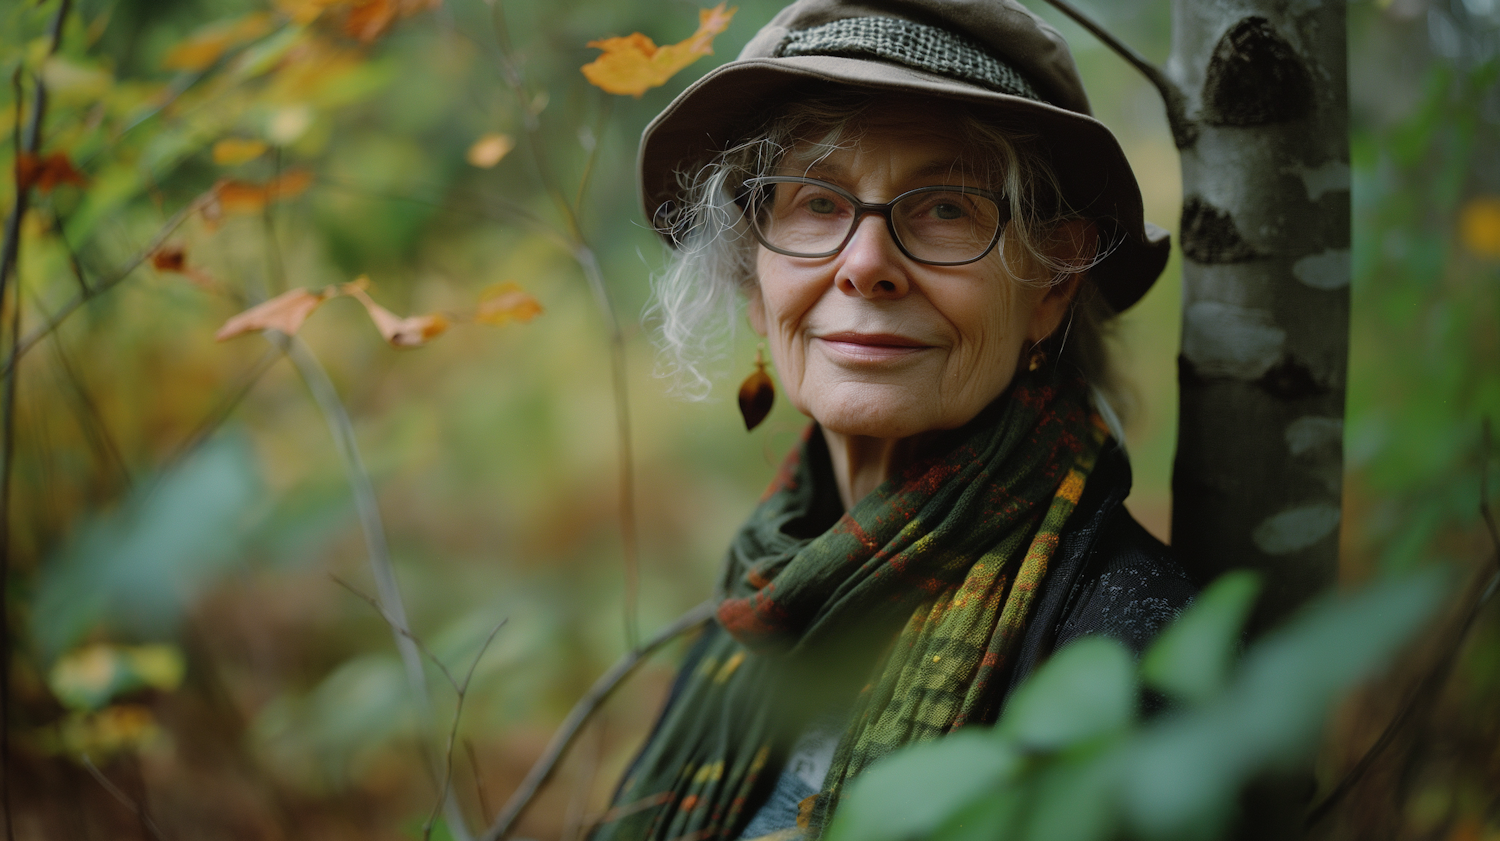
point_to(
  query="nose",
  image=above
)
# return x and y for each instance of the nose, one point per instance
(871, 265)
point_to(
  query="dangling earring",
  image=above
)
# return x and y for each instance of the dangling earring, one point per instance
(1036, 359)
(757, 393)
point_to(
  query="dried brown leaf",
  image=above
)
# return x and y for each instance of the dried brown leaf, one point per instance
(285, 312)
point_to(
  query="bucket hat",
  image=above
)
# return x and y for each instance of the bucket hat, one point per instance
(993, 56)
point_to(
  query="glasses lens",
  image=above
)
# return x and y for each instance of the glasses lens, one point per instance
(946, 226)
(807, 220)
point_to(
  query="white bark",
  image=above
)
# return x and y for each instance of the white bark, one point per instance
(1265, 230)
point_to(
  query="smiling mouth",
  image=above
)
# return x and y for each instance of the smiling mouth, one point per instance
(873, 347)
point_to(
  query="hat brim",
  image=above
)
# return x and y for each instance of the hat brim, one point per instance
(733, 100)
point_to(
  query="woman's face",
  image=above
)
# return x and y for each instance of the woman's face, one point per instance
(871, 343)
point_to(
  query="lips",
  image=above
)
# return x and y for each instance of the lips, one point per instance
(873, 347)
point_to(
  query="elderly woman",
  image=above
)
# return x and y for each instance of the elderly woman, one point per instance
(930, 232)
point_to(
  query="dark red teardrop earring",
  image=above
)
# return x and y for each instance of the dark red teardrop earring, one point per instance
(757, 393)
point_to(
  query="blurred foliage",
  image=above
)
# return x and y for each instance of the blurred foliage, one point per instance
(1071, 760)
(178, 506)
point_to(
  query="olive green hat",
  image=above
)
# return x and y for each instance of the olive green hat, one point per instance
(994, 56)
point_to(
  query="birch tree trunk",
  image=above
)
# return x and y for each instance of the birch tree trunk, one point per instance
(1262, 129)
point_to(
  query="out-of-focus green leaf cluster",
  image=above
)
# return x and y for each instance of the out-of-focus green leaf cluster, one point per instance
(1071, 760)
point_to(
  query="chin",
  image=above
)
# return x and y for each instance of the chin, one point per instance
(890, 419)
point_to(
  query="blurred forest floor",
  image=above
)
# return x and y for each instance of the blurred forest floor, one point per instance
(181, 511)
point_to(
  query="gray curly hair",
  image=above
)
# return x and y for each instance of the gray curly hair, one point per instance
(697, 296)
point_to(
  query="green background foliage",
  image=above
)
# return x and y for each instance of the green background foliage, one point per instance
(171, 490)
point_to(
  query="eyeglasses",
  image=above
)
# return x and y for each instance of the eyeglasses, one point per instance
(939, 225)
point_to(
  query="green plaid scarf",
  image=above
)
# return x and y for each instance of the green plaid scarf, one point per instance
(950, 553)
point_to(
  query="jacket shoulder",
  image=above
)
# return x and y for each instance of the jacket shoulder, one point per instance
(1130, 587)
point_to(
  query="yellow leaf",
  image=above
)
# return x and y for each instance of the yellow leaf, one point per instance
(121, 727)
(158, 666)
(488, 150)
(235, 196)
(1479, 226)
(410, 332)
(204, 47)
(236, 150)
(634, 64)
(506, 302)
(285, 312)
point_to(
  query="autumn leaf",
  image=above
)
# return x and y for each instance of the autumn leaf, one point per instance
(506, 302)
(169, 258)
(234, 196)
(235, 150)
(1479, 226)
(634, 64)
(368, 21)
(489, 149)
(173, 258)
(410, 332)
(45, 173)
(285, 312)
(205, 46)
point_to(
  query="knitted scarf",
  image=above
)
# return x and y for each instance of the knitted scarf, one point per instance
(906, 609)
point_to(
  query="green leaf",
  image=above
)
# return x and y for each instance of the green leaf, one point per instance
(1085, 691)
(1190, 660)
(1185, 771)
(1075, 798)
(911, 792)
(136, 568)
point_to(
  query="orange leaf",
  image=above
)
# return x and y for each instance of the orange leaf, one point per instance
(635, 64)
(45, 173)
(285, 312)
(412, 331)
(369, 20)
(506, 302)
(235, 150)
(489, 149)
(1479, 226)
(204, 47)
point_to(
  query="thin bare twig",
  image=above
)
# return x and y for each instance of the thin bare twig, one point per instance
(484, 806)
(584, 256)
(1431, 683)
(460, 691)
(582, 712)
(221, 411)
(107, 284)
(124, 798)
(1184, 130)
(326, 396)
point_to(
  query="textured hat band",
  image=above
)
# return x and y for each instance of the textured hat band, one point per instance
(914, 45)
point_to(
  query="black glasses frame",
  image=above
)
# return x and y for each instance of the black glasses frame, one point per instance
(863, 208)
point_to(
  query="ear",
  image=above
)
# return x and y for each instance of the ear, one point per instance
(1073, 242)
(755, 309)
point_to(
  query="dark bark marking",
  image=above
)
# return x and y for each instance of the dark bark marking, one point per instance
(1209, 234)
(1255, 78)
(1291, 380)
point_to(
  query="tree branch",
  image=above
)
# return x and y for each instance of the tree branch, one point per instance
(106, 285)
(1184, 130)
(580, 714)
(9, 251)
